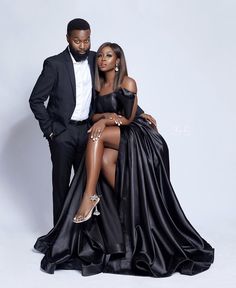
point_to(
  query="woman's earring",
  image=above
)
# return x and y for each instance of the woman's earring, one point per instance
(116, 68)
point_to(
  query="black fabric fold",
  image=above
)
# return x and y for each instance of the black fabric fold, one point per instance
(126, 99)
(142, 229)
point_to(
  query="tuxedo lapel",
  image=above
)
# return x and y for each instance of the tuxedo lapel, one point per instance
(91, 59)
(70, 70)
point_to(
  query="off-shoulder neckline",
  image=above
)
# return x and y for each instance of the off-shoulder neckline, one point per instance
(121, 88)
(107, 94)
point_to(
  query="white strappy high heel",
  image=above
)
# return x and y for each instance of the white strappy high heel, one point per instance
(80, 218)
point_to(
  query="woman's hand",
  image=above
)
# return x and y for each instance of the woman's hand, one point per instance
(97, 129)
(113, 116)
(149, 119)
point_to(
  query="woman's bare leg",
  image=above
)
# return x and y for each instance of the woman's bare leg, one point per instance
(110, 138)
(109, 165)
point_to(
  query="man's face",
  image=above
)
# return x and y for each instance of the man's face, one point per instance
(79, 41)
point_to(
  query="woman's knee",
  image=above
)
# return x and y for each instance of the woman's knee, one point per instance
(111, 137)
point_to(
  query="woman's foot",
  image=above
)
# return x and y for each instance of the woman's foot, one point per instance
(89, 202)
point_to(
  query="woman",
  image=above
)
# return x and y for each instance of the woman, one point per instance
(141, 228)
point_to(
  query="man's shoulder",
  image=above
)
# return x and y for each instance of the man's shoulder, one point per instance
(93, 53)
(64, 56)
(58, 57)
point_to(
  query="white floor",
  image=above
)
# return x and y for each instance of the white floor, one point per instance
(19, 266)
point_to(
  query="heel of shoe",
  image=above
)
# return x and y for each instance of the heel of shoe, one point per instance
(96, 212)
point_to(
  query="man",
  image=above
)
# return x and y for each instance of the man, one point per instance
(68, 80)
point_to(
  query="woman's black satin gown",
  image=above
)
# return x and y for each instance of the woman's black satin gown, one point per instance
(142, 229)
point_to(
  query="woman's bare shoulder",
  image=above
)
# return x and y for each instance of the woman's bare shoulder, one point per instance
(129, 84)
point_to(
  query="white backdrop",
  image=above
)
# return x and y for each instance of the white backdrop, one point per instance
(182, 55)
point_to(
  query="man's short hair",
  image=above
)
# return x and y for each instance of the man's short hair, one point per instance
(77, 24)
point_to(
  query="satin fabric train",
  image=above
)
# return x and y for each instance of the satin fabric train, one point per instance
(142, 229)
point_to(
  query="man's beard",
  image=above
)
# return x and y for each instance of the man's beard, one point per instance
(79, 57)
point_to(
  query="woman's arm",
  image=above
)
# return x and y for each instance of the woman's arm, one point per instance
(98, 116)
(130, 85)
(112, 119)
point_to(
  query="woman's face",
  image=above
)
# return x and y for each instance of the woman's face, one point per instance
(107, 59)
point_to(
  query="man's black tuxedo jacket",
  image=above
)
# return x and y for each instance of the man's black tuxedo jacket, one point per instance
(57, 81)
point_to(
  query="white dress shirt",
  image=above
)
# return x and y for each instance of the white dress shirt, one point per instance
(83, 83)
